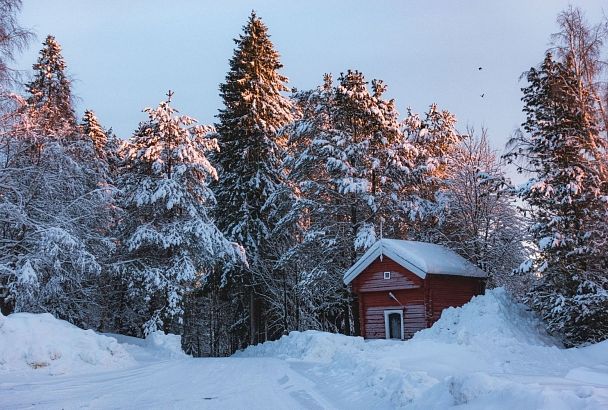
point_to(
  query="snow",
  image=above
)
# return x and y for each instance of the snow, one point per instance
(432, 258)
(41, 343)
(489, 354)
(421, 258)
(492, 319)
(157, 345)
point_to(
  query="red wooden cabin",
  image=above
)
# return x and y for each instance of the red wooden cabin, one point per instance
(403, 286)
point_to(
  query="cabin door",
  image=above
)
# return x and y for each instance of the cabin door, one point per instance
(393, 324)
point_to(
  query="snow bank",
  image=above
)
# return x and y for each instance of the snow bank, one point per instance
(165, 344)
(158, 345)
(490, 353)
(42, 343)
(310, 346)
(492, 319)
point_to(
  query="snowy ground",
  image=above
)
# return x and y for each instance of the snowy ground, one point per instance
(488, 355)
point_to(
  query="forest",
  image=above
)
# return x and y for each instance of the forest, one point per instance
(238, 232)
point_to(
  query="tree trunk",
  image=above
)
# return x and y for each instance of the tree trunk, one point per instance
(253, 317)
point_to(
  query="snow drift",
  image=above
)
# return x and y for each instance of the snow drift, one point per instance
(490, 353)
(41, 342)
(157, 345)
(492, 319)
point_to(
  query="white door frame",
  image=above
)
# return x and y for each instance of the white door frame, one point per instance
(387, 325)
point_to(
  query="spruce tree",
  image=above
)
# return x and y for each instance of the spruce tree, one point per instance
(95, 133)
(168, 242)
(249, 160)
(50, 90)
(561, 145)
(434, 140)
(105, 145)
(348, 159)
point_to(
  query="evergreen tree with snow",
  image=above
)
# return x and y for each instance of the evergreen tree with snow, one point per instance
(94, 131)
(567, 197)
(348, 158)
(50, 89)
(249, 159)
(168, 243)
(435, 142)
(106, 145)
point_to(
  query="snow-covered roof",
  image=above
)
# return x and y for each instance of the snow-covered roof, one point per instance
(421, 258)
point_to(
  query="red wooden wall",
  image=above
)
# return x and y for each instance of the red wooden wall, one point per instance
(424, 299)
(374, 299)
(447, 290)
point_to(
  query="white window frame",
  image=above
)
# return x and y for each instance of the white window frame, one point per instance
(387, 325)
(387, 275)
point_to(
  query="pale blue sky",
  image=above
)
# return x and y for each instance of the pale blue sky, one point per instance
(125, 55)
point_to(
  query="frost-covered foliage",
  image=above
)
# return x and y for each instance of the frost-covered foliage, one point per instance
(479, 217)
(168, 241)
(51, 214)
(53, 204)
(249, 164)
(567, 197)
(106, 146)
(436, 141)
(13, 38)
(357, 172)
(92, 129)
(341, 150)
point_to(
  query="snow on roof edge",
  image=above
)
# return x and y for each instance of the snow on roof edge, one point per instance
(394, 249)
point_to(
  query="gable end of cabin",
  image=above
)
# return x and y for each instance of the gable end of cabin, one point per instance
(394, 301)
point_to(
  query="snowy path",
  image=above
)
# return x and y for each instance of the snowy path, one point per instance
(489, 354)
(225, 383)
(254, 383)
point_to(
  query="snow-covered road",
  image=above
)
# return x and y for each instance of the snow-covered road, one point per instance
(489, 354)
(225, 383)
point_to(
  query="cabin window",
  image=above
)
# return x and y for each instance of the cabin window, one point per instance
(393, 324)
(387, 275)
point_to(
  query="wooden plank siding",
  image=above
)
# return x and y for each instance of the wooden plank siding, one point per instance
(423, 299)
(450, 291)
(373, 292)
(372, 279)
(375, 303)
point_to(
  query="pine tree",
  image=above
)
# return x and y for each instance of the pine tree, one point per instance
(106, 146)
(561, 145)
(49, 91)
(249, 160)
(168, 241)
(348, 158)
(435, 140)
(94, 131)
